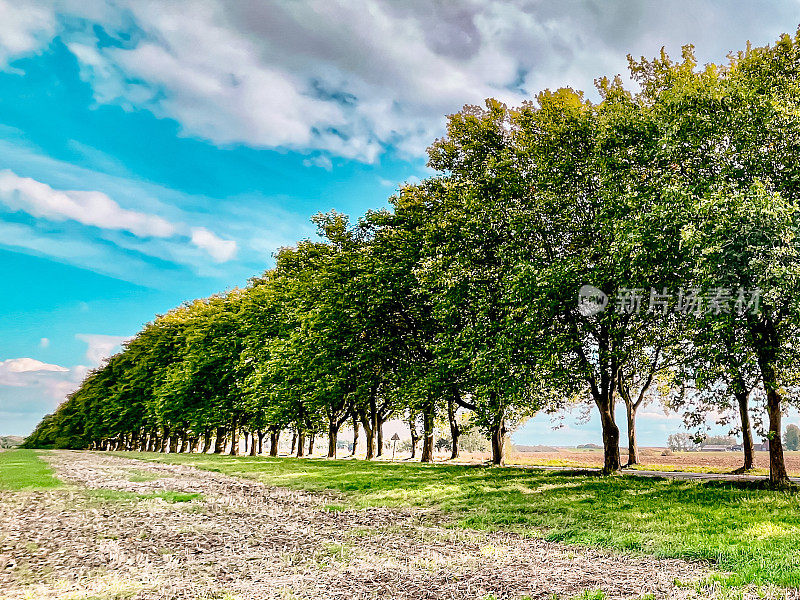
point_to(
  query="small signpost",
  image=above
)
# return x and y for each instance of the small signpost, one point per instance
(395, 439)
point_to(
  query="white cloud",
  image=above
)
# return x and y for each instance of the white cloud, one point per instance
(86, 207)
(52, 381)
(100, 347)
(30, 388)
(12, 367)
(220, 250)
(654, 415)
(352, 78)
(97, 209)
(321, 161)
(24, 28)
(44, 342)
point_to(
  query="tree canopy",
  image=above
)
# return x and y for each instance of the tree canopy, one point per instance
(674, 204)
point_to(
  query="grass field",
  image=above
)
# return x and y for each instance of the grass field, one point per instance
(752, 533)
(23, 469)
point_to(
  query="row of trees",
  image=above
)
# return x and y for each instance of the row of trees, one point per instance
(679, 203)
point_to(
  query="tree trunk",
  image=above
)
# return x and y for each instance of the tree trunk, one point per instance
(633, 449)
(333, 434)
(427, 434)
(311, 437)
(192, 443)
(777, 467)
(412, 426)
(611, 460)
(743, 401)
(206, 441)
(165, 440)
(778, 477)
(261, 441)
(379, 436)
(455, 430)
(768, 344)
(355, 434)
(498, 438)
(369, 433)
(253, 444)
(173, 444)
(274, 438)
(219, 440)
(294, 443)
(234, 437)
(301, 443)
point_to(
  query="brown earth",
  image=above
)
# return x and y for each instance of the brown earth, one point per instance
(106, 535)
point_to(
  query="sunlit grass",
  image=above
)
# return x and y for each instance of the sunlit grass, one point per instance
(169, 496)
(669, 468)
(23, 469)
(746, 530)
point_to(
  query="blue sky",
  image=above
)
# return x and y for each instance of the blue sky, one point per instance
(153, 152)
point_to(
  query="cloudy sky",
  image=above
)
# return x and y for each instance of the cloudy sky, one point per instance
(157, 151)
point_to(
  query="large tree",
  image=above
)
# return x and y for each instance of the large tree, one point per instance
(731, 136)
(594, 222)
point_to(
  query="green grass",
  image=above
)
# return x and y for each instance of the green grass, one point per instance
(751, 532)
(137, 476)
(23, 469)
(668, 468)
(104, 495)
(597, 464)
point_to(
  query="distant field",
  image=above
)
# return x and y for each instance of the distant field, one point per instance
(651, 458)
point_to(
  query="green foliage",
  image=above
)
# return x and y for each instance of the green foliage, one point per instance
(464, 295)
(792, 437)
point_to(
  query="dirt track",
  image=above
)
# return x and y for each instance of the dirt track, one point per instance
(250, 541)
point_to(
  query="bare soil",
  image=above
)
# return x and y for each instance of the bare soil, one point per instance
(241, 539)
